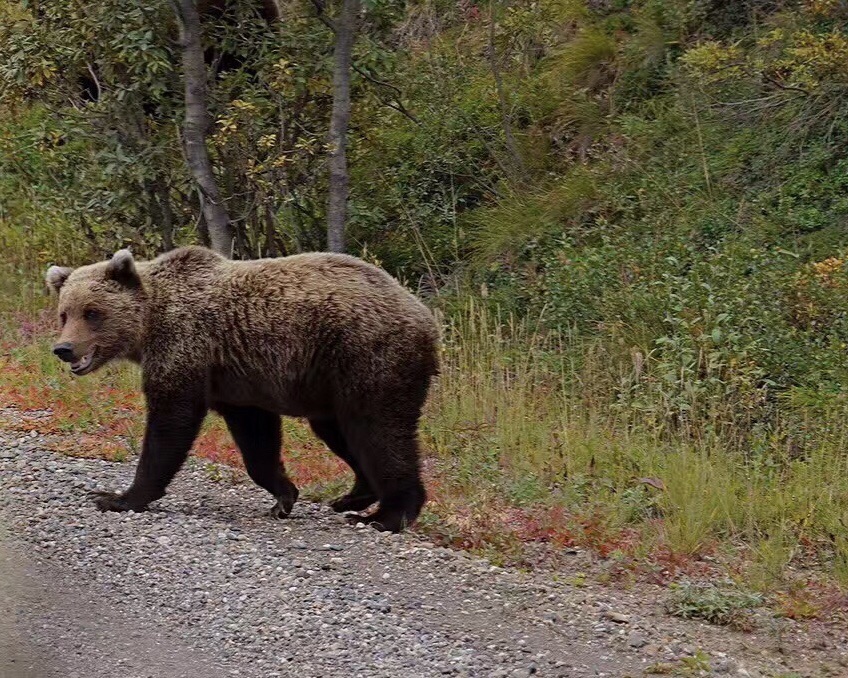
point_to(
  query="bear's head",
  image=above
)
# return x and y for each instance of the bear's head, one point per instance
(101, 312)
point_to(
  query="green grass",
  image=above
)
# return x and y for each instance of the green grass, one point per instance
(512, 424)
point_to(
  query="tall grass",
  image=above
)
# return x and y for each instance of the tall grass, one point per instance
(520, 418)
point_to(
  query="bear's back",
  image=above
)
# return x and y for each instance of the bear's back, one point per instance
(338, 286)
(270, 314)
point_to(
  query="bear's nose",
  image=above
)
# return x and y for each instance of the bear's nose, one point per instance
(64, 352)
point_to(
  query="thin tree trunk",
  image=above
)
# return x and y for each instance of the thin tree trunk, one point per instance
(270, 232)
(519, 170)
(167, 214)
(197, 127)
(154, 209)
(161, 211)
(203, 230)
(339, 181)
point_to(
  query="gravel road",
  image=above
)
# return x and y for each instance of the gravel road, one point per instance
(206, 584)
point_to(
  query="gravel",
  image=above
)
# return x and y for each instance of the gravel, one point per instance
(205, 584)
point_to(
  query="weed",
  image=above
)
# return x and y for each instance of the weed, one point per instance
(798, 604)
(700, 661)
(578, 580)
(717, 605)
(696, 664)
(215, 472)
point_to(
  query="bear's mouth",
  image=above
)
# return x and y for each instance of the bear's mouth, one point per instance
(85, 364)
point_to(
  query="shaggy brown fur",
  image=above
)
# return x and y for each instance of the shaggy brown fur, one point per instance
(327, 337)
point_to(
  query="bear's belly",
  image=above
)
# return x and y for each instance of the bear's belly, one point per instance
(280, 396)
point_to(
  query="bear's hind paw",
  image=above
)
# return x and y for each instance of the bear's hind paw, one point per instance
(110, 501)
(381, 520)
(356, 518)
(353, 502)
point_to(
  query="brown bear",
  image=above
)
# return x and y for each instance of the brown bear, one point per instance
(327, 337)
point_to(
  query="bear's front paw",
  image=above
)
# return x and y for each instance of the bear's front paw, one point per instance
(110, 501)
(285, 500)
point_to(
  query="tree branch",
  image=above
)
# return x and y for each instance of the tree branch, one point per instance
(96, 81)
(780, 85)
(322, 17)
(398, 106)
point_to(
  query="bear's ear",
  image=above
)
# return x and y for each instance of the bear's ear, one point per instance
(56, 277)
(121, 269)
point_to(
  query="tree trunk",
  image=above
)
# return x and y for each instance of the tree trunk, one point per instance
(197, 127)
(203, 230)
(167, 214)
(337, 201)
(270, 232)
(161, 211)
(519, 171)
(153, 209)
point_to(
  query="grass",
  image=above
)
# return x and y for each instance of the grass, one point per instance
(524, 462)
(727, 605)
(518, 434)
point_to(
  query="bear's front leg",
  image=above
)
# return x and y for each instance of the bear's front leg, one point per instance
(172, 425)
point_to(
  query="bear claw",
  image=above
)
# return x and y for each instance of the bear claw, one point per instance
(288, 494)
(282, 508)
(278, 512)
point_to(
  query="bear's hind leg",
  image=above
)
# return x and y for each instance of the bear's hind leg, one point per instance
(388, 455)
(361, 496)
(256, 432)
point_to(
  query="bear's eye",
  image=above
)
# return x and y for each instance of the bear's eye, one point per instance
(63, 318)
(91, 314)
